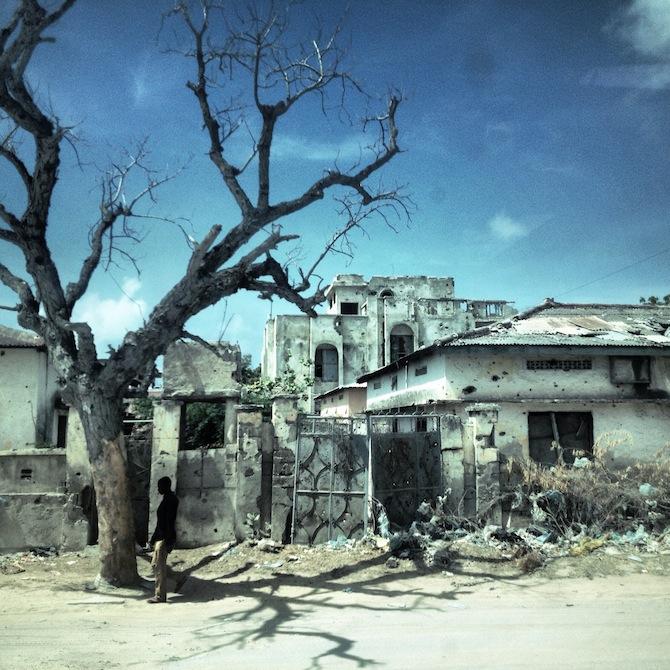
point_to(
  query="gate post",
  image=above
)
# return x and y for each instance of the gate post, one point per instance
(285, 423)
(249, 459)
(483, 419)
(453, 472)
(164, 451)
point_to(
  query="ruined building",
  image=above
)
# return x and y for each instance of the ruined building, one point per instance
(369, 324)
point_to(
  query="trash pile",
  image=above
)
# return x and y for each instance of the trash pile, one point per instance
(572, 522)
(12, 564)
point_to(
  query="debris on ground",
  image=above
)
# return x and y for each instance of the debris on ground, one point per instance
(270, 546)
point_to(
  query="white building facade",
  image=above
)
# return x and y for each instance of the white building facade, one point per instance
(369, 324)
(560, 378)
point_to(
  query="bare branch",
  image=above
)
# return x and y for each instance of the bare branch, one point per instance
(199, 89)
(8, 235)
(114, 206)
(202, 248)
(28, 307)
(8, 152)
(354, 181)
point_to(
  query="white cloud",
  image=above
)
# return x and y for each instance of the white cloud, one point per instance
(507, 228)
(646, 26)
(112, 318)
(651, 77)
(291, 146)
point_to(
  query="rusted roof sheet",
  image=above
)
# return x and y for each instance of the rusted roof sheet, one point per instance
(566, 325)
(14, 339)
(553, 324)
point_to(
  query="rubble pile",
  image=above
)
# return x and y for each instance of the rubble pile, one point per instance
(593, 510)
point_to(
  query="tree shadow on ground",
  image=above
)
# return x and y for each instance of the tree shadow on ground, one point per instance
(284, 602)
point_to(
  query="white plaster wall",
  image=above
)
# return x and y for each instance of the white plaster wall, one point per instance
(626, 431)
(352, 402)
(411, 389)
(23, 391)
(479, 376)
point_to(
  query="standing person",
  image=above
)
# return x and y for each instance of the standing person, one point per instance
(164, 537)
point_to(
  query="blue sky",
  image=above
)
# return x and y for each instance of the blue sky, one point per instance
(535, 139)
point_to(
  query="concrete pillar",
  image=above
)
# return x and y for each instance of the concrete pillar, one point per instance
(230, 421)
(249, 465)
(483, 419)
(77, 466)
(451, 442)
(285, 422)
(164, 451)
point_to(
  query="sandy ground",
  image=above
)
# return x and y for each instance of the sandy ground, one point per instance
(318, 608)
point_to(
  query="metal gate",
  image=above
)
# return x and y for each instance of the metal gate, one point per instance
(331, 479)
(338, 459)
(406, 463)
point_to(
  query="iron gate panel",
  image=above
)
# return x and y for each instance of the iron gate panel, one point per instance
(407, 465)
(331, 475)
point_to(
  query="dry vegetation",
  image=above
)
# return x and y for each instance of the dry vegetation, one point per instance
(598, 498)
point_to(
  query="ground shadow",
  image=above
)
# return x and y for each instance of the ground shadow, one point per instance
(282, 601)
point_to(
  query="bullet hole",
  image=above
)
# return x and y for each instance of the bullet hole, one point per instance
(216, 530)
(501, 433)
(248, 472)
(27, 474)
(77, 474)
(495, 378)
(505, 372)
(469, 389)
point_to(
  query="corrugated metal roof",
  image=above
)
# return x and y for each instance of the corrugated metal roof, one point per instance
(601, 339)
(12, 339)
(583, 331)
(553, 324)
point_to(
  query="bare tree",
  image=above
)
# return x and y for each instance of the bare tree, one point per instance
(222, 263)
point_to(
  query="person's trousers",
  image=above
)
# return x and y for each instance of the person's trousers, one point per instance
(159, 564)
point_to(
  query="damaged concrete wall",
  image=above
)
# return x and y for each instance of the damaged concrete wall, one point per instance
(625, 431)
(206, 486)
(31, 520)
(480, 375)
(217, 487)
(363, 339)
(194, 371)
(27, 397)
(32, 471)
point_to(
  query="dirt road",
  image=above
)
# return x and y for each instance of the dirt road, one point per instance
(344, 611)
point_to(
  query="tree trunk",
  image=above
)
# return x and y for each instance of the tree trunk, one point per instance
(102, 422)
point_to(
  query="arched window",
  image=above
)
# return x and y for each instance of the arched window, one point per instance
(325, 363)
(402, 342)
(386, 293)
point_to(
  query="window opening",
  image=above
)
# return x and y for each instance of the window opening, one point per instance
(555, 437)
(402, 342)
(348, 308)
(61, 431)
(27, 474)
(421, 371)
(204, 426)
(630, 370)
(394, 383)
(325, 363)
